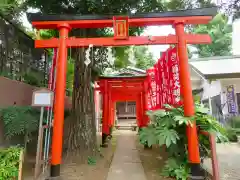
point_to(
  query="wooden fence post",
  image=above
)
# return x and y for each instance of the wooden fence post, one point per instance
(21, 159)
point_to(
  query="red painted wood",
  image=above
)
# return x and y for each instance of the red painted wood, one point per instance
(134, 40)
(59, 97)
(121, 27)
(186, 90)
(139, 111)
(105, 108)
(215, 167)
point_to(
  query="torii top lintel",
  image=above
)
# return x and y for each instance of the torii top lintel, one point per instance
(193, 16)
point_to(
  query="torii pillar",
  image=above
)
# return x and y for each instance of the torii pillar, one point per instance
(188, 103)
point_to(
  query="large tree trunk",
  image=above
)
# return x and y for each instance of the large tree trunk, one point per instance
(80, 128)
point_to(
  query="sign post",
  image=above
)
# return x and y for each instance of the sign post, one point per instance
(41, 98)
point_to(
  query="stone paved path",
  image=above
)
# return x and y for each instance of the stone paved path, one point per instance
(126, 164)
(228, 161)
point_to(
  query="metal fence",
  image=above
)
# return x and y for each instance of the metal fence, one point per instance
(18, 56)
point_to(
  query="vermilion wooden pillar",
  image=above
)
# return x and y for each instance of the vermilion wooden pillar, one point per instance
(186, 90)
(105, 113)
(113, 113)
(96, 102)
(145, 103)
(59, 101)
(112, 116)
(142, 121)
(138, 110)
(110, 119)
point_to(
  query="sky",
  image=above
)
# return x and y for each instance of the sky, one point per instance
(158, 31)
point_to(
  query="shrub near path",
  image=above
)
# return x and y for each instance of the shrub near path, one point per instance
(169, 128)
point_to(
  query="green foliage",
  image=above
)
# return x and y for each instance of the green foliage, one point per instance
(234, 122)
(187, 4)
(32, 79)
(144, 58)
(169, 128)
(7, 6)
(19, 120)
(70, 76)
(232, 135)
(6, 74)
(233, 128)
(9, 163)
(176, 169)
(221, 34)
(22, 120)
(92, 161)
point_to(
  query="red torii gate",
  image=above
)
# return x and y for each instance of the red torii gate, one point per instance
(121, 26)
(114, 89)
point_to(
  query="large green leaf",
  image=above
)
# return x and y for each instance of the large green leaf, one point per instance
(183, 120)
(202, 109)
(159, 112)
(167, 121)
(147, 135)
(166, 136)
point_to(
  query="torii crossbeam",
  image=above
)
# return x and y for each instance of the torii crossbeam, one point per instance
(121, 37)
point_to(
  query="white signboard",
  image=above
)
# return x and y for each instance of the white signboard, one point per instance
(42, 98)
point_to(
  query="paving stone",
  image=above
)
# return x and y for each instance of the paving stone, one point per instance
(126, 164)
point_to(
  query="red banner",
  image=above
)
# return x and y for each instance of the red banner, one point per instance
(152, 88)
(174, 77)
(164, 84)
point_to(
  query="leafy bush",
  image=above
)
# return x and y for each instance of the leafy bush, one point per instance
(22, 120)
(169, 128)
(232, 135)
(9, 163)
(19, 120)
(234, 122)
(33, 78)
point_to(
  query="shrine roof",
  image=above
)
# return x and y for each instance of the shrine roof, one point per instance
(219, 66)
(190, 16)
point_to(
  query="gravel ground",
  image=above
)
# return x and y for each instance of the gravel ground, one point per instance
(228, 161)
(79, 171)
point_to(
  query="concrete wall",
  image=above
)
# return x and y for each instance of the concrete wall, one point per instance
(14, 92)
(18, 93)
